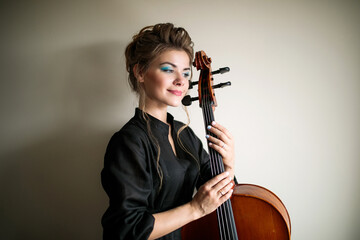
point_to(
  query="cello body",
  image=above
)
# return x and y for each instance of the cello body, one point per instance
(259, 215)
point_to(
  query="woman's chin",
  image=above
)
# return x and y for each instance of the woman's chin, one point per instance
(175, 104)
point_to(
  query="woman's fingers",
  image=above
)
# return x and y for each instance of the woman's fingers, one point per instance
(215, 180)
(223, 142)
(220, 184)
(226, 196)
(223, 138)
(216, 141)
(213, 193)
(220, 131)
(223, 188)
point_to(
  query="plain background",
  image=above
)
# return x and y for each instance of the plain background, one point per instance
(293, 106)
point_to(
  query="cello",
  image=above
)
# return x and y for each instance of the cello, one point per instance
(253, 212)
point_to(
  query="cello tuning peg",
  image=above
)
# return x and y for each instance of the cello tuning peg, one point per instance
(187, 100)
(191, 84)
(221, 70)
(221, 85)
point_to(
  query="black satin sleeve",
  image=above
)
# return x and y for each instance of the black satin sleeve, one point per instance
(127, 180)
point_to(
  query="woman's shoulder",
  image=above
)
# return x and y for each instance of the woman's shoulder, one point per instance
(132, 131)
(179, 124)
(186, 131)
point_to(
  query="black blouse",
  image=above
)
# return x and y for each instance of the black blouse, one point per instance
(131, 180)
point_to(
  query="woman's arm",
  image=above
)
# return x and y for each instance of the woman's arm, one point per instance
(209, 197)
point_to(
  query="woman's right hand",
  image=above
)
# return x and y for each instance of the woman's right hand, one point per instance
(212, 194)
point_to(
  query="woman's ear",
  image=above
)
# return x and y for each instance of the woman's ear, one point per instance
(139, 75)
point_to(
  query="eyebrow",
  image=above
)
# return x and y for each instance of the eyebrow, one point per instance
(173, 65)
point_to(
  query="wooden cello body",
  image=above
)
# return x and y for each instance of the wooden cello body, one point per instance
(259, 215)
(253, 212)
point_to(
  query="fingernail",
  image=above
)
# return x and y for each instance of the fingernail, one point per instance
(213, 123)
(207, 136)
(210, 144)
(208, 127)
(227, 173)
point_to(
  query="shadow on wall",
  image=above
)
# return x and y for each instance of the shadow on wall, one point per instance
(51, 188)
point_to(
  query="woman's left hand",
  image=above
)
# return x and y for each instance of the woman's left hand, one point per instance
(223, 144)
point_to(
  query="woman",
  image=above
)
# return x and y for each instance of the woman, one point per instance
(153, 164)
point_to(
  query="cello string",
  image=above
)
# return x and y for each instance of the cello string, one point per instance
(205, 115)
(206, 121)
(220, 168)
(206, 111)
(225, 216)
(224, 212)
(225, 209)
(215, 162)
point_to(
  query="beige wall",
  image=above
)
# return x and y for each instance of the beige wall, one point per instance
(293, 106)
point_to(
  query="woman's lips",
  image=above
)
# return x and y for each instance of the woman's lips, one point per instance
(176, 92)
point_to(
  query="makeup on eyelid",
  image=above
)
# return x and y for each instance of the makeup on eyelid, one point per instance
(165, 68)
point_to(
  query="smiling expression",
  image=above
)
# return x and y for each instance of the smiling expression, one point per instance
(166, 81)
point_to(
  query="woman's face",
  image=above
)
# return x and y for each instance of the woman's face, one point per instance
(166, 81)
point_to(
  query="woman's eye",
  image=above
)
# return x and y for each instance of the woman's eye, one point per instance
(167, 69)
(186, 74)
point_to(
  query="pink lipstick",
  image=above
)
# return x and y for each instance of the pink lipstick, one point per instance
(176, 92)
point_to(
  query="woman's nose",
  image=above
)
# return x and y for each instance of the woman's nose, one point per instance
(180, 80)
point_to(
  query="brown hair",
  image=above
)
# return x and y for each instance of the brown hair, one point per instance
(145, 46)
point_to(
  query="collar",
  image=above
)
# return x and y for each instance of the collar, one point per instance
(155, 123)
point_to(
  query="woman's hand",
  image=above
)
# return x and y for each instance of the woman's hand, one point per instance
(223, 144)
(208, 198)
(212, 194)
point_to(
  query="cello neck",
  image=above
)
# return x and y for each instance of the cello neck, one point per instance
(225, 216)
(207, 100)
(216, 163)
